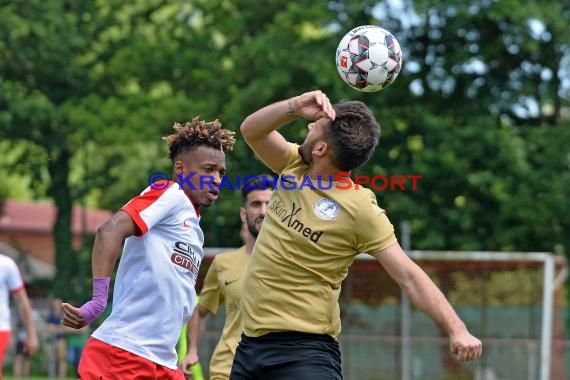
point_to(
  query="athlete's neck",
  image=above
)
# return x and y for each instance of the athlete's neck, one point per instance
(250, 242)
(322, 167)
(323, 170)
(196, 205)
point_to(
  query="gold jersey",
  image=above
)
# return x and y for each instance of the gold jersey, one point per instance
(222, 284)
(308, 240)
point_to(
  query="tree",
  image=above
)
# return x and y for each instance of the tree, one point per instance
(68, 78)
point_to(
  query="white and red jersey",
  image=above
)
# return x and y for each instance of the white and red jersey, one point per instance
(154, 293)
(10, 281)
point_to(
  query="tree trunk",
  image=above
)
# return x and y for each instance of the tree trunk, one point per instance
(60, 192)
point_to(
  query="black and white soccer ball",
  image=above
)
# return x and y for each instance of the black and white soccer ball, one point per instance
(368, 58)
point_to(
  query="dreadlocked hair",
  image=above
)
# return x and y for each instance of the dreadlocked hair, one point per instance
(197, 132)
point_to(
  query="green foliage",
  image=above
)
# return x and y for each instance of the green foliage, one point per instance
(497, 288)
(479, 185)
(21, 178)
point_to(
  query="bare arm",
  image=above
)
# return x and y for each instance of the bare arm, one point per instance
(427, 297)
(260, 128)
(196, 325)
(106, 249)
(31, 344)
(109, 242)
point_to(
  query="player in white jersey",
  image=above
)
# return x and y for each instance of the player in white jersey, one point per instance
(154, 286)
(11, 283)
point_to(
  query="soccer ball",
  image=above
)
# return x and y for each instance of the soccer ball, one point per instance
(368, 58)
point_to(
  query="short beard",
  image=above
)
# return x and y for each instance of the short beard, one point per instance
(305, 153)
(252, 228)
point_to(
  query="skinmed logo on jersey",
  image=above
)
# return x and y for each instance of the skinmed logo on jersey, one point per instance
(184, 257)
(289, 218)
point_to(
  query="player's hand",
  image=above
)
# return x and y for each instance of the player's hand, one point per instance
(466, 346)
(31, 344)
(313, 105)
(186, 364)
(71, 316)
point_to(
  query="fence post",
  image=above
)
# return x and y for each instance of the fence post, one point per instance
(547, 304)
(405, 356)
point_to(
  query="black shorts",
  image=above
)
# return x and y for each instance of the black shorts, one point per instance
(287, 355)
(20, 349)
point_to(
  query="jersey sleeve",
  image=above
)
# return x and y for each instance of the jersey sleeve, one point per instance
(375, 232)
(14, 277)
(294, 156)
(151, 206)
(211, 296)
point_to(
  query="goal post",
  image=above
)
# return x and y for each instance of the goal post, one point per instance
(550, 284)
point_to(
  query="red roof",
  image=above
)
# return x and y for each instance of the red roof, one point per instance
(40, 217)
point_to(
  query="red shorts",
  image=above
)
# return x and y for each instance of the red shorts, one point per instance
(101, 361)
(4, 343)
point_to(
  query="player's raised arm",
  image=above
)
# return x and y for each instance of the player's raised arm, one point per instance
(260, 128)
(426, 296)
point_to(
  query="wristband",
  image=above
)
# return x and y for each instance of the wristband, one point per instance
(91, 310)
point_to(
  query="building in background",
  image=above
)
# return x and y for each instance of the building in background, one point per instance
(26, 234)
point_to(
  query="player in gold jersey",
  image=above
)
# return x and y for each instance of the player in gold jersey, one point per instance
(222, 284)
(310, 237)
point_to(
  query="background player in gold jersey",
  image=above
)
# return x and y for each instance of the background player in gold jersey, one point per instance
(223, 281)
(310, 237)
